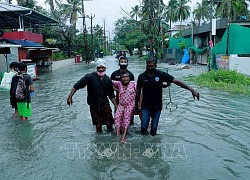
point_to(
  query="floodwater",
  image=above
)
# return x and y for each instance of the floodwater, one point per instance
(208, 139)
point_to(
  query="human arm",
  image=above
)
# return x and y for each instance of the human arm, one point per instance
(32, 89)
(138, 98)
(113, 100)
(116, 85)
(185, 86)
(79, 85)
(71, 94)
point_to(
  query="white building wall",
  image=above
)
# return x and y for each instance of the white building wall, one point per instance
(240, 64)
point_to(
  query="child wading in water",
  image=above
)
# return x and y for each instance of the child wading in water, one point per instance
(125, 109)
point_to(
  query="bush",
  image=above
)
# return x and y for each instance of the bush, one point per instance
(230, 81)
(59, 56)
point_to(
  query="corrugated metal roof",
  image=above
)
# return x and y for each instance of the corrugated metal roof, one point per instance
(11, 7)
(10, 15)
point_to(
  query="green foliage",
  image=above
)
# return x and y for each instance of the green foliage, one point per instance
(226, 80)
(182, 45)
(59, 56)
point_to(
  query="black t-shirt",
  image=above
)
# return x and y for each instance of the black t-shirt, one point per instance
(97, 90)
(117, 75)
(152, 89)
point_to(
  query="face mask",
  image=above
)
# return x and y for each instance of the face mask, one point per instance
(123, 65)
(151, 71)
(101, 74)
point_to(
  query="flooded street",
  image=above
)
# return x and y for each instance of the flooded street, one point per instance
(208, 139)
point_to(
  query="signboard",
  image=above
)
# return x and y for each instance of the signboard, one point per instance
(222, 62)
(213, 27)
(6, 81)
(31, 70)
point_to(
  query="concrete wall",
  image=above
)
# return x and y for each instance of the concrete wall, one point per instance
(62, 63)
(240, 64)
(233, 62)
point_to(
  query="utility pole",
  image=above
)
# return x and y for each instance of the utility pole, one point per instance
(85, 40)
(84, 33)
(104, 36)
(92, 37)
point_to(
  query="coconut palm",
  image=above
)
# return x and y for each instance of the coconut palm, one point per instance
(182, 10)
(26, 3)
(52, 4)
(136, 12)
(71, 10)
(202, 11)
(151, 17)
(231, 9)
(170, 12)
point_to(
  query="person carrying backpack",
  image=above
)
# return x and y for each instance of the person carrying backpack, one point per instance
(22, 86)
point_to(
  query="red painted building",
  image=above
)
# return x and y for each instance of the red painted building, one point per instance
(23, 35)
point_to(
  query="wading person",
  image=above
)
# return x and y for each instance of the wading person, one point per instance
(13, 103)
(116, 76)
(21, 87)
(150, 84)
(99, 88)
(123, 63)
(125, 109)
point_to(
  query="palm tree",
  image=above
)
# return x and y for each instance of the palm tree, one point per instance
(136, 12)
(202, 11)
(170, 12)
(26, 3)
(71, 10)
(182, 10)
(231, 9)
(52, 4)
(151, 16)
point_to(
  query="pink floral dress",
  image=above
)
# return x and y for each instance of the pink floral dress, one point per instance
(126, 104)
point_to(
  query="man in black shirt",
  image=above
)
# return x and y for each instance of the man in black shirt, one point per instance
(150, 83)
(123, 63)
(99, 86)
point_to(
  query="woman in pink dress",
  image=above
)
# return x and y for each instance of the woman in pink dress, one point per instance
(125, 109)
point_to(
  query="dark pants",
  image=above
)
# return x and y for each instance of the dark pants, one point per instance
(101, 117)
(146, 115)
(13, 102)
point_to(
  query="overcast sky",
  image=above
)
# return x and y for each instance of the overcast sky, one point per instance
(111, 11)
(108, 10)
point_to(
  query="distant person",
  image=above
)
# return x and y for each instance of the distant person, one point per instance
(116, 76)
(119, 54)
(125, 109)
(150, 84)
(99, 88)
(13, 103)
(124, 54)
(21, 87)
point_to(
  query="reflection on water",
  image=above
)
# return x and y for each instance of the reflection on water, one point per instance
(199, 140)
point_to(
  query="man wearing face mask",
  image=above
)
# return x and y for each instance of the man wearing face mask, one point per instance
(123, 63)
(150, 84)
(99, 88)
